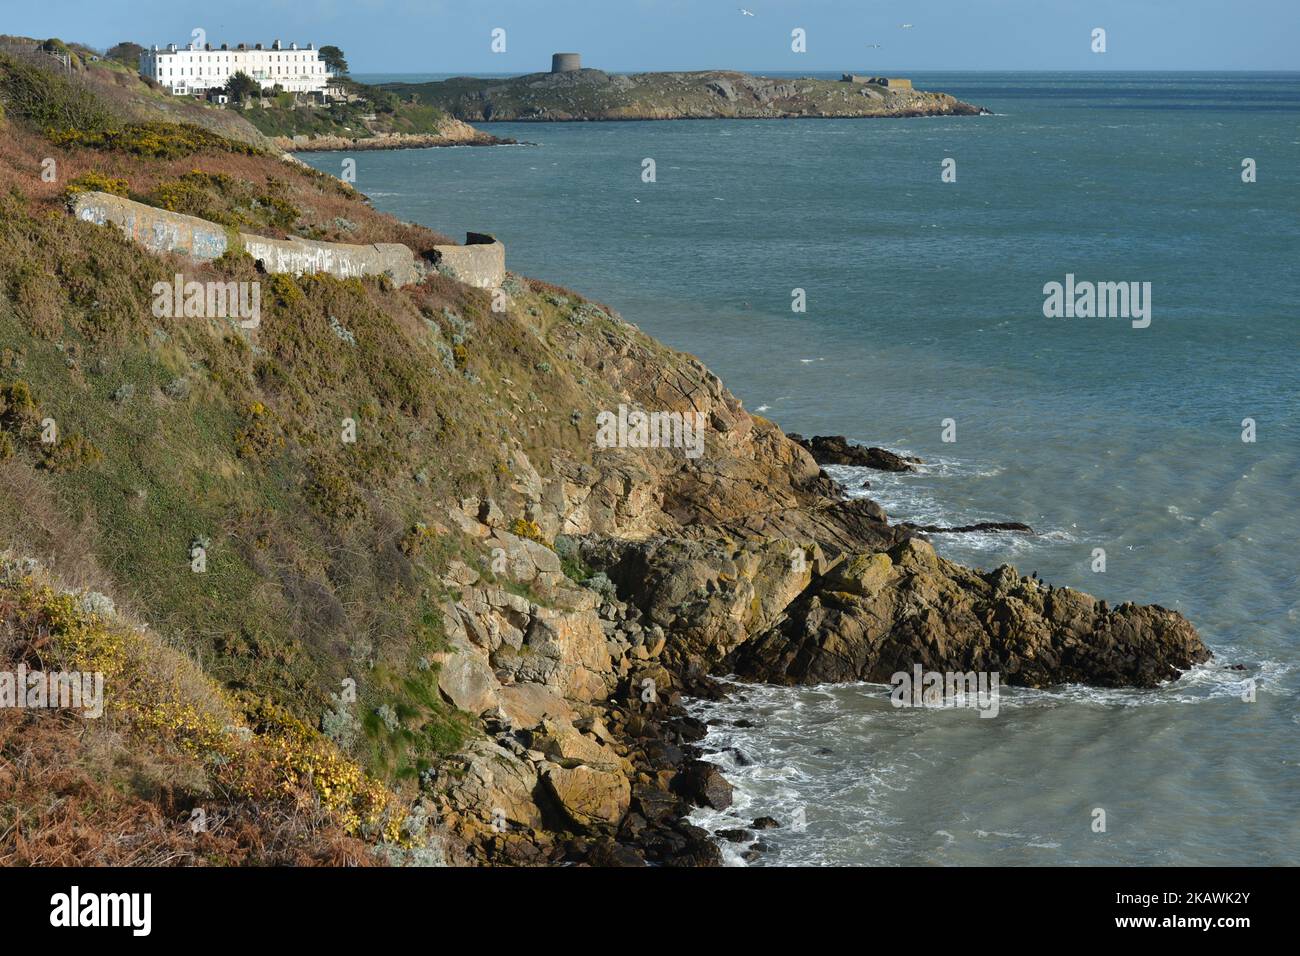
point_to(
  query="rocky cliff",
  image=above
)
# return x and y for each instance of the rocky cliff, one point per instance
(441, 600)
(747, 560)
(710, 94)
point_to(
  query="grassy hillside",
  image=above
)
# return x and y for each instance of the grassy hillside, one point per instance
(323, 557)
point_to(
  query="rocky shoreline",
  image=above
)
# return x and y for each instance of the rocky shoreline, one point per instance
(634, 577)
(455, 133)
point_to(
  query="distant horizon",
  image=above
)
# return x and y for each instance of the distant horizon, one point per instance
(736, 69)
(448, 36)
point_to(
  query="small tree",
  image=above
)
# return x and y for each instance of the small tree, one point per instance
(126, 52)
(334, 60)
(241, 86)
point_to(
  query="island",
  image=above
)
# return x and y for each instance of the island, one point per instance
(570, 93)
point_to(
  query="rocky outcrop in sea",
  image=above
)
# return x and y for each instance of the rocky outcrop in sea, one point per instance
(646, 570)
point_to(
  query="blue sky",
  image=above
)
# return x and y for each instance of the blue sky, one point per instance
(440, 36)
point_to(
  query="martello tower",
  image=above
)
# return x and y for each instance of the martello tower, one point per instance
(566, 62)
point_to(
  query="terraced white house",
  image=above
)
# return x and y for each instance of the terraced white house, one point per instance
(195, 69)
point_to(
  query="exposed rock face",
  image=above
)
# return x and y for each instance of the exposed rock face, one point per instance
(877, 614)
(836, 450)
(451, 132)
(746, 559)
(591, 798)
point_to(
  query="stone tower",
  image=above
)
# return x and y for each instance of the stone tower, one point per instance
(566, 62)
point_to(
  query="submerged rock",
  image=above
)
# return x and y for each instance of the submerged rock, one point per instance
(836, 450)
(968, 528)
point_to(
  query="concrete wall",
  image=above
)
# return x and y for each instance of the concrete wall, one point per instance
(155, 229)
(161, 231)
(481, 262)
(340, 259)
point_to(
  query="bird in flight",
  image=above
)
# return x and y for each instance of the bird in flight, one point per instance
(873, 46)
(905, 26)
(744, 12)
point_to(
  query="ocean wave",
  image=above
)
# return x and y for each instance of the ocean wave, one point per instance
(832, 759)
(914, 497)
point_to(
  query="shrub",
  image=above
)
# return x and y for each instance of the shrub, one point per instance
(71, 454)
(96, 182)
(260, 435)
(17, 407)
(333, 493)
(525, 528)
(155, 139)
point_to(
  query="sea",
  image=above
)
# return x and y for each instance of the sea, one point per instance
(886, 279)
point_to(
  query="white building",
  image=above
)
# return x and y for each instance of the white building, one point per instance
(196, 69)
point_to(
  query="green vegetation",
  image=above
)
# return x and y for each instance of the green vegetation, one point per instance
(126, 53)
(334, 59)
(49, 101)
(226, 200)
(373, 111)
(325, 561)
(97, 182)
(159, 139)
(241, 87)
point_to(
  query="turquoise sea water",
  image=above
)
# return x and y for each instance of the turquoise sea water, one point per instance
(924, 304)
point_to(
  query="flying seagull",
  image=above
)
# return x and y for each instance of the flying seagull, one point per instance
(873, 46)
(744, 12)
(905, 26)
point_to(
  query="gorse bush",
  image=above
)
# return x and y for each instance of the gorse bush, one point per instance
(158, 140)
(221, 198)
(96, 182)
(251, 748)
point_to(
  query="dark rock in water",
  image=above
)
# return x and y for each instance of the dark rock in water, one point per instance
(686, 845)
(866, 485)
(739, 756)
(608, 853)
(836, 450)
(764, 823)
(703, 784)
(825, 751)
(1235, 667)
(754, 852)
(967, 528)
(742, 723)
(736, 836)
(874, 615)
